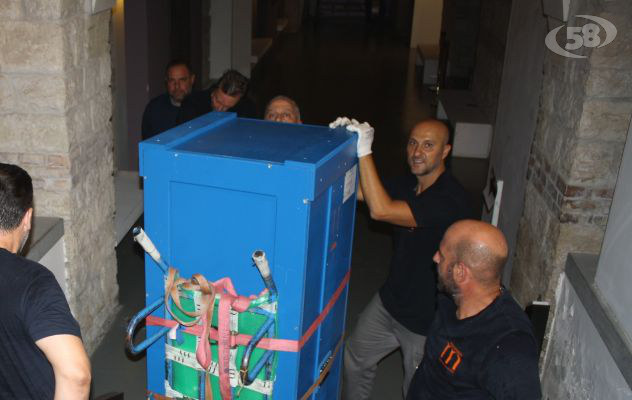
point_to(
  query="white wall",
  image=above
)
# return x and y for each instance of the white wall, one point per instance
(614, 273)
(578, 364)
(231, 36)
(55, 261)
(426, 23)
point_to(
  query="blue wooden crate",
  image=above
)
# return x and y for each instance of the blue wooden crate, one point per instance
(220, 187)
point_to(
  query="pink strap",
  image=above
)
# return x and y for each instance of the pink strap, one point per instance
(203, 353)
(223, 345)
(330, 304)
(265, 343)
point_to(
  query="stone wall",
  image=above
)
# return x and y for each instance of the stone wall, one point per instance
(55, 110)
(585, 110)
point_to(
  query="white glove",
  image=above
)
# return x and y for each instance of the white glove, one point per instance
(342, 121)
(365, 133)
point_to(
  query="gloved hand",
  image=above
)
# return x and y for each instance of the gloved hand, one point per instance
(364, 130)
(342, 121)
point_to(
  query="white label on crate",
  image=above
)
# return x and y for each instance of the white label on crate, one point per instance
(350, 183)
(189, 359)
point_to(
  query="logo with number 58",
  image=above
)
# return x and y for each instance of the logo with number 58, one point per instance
(582, 36)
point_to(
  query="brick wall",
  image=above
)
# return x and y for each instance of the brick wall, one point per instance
(585, 111)
(55, 110)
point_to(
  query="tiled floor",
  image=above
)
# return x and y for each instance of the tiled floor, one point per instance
(331, 69)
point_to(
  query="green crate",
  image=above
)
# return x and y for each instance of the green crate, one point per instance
(186, 380)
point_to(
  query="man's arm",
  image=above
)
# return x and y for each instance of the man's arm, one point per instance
(381, 205)
(70, 364)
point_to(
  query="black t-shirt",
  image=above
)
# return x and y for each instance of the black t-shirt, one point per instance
(491, 355)
(410, 290)
(199, 103)
(32, 307)
(159, 116)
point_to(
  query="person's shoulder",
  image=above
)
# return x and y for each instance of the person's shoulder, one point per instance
(448, 188)
(21, 271)
(157, 104)
(161, 99)
(513, 316)
(447, 182)
(20, 263)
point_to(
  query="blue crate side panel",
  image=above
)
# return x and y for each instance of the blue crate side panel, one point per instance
(340, 234)
(316, 259)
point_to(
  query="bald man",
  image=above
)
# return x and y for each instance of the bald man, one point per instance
(420, 205)
(283, 109)
(481, 344)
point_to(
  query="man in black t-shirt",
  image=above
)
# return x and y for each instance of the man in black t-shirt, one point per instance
(421, 206)
(161, 113)
(481, 345)
(41, 352)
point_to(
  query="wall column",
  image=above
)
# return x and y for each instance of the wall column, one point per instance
(55, 110)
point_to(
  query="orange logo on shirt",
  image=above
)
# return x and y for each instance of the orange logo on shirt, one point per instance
(451, 357)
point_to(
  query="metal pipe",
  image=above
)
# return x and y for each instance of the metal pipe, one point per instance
(259, 257)
(245, 360)
(131, 328)
(143, 239)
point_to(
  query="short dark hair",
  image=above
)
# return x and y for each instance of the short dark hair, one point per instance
(177, 62)
(16, 196)
(233, 83)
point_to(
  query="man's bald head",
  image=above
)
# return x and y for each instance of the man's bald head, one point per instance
(434, 126)
(283, 109)
(480, 246)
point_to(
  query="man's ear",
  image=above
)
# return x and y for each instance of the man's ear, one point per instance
(26, 219)
(460, 272)
(446, 151)
(192, 79)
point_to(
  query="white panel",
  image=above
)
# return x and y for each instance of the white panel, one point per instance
(96, 6)
(472, 140)
(614, 273)
(221, 37)
(557, 9)
(578, 364)
(242, 36)
(55, 261)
